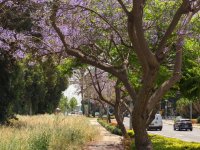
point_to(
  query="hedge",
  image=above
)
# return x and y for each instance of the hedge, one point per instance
(110, 127)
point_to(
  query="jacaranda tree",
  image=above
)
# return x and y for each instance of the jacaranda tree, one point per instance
(109, 34)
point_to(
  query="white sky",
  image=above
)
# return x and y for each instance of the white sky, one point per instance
(71, 91)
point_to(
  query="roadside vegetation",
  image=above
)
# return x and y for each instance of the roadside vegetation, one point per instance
(47, 132)
(111, 127)
(164, 143)
(159, 142)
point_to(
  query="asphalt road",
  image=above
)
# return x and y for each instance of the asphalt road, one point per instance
(168, 131)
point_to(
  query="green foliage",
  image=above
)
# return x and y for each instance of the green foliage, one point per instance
(164, 143)
(39, 141)
(112, 129)
(190, 83)
(68, 65)
(130, 133)
(182, 102)
(41, 85)
(63, 103)
(9, 71)
(198, 119)
(73, 103)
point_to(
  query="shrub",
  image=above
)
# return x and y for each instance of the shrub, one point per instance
(117, 131)
(112, 129)
(130, 133)
(198, 119)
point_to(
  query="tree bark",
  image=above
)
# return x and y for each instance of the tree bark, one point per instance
(142, 141)
(117, 109)
(30, 109)
(120, 122)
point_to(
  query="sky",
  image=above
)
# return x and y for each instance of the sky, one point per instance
(71, 91)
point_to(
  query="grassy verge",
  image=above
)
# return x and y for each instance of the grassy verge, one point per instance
(164, 143)
(47, 132)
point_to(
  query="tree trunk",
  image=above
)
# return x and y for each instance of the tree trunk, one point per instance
(142, 141)
(120, 124)
(120, 121)
(30, 109)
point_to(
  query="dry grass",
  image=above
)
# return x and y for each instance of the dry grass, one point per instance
(47, 132)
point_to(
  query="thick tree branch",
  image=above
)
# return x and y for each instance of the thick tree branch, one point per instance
(156, 97)
(136, 34)
(125, 105)
(119, 73)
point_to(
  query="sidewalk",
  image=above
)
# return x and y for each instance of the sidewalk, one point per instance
(107, 142)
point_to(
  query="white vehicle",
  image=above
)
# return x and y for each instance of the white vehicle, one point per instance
(157, 123)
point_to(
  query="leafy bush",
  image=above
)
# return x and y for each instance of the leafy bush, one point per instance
(110, 127)
(130, 133)
(198, 119)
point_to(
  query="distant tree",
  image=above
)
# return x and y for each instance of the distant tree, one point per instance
(55, 82)
(73, 103)
(64, 104)
(190, 82)
(42, 86)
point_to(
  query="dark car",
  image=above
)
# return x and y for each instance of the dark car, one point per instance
(183, 124)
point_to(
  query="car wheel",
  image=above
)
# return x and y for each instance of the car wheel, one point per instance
(179, 129)
(190, 129)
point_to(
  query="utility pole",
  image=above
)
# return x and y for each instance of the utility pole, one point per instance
(131, 120)
(190, 109)
(166, 108)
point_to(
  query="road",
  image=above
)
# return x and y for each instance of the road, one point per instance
(190, 136)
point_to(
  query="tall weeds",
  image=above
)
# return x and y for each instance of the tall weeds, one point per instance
(47, 132)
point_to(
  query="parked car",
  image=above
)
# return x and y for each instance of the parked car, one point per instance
(97, 113)
(157, 123)
(181, 124)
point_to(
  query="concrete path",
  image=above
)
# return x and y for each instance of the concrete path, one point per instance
(107, 141)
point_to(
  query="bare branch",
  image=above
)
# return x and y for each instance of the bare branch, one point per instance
(125, 105)
(105, 20)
